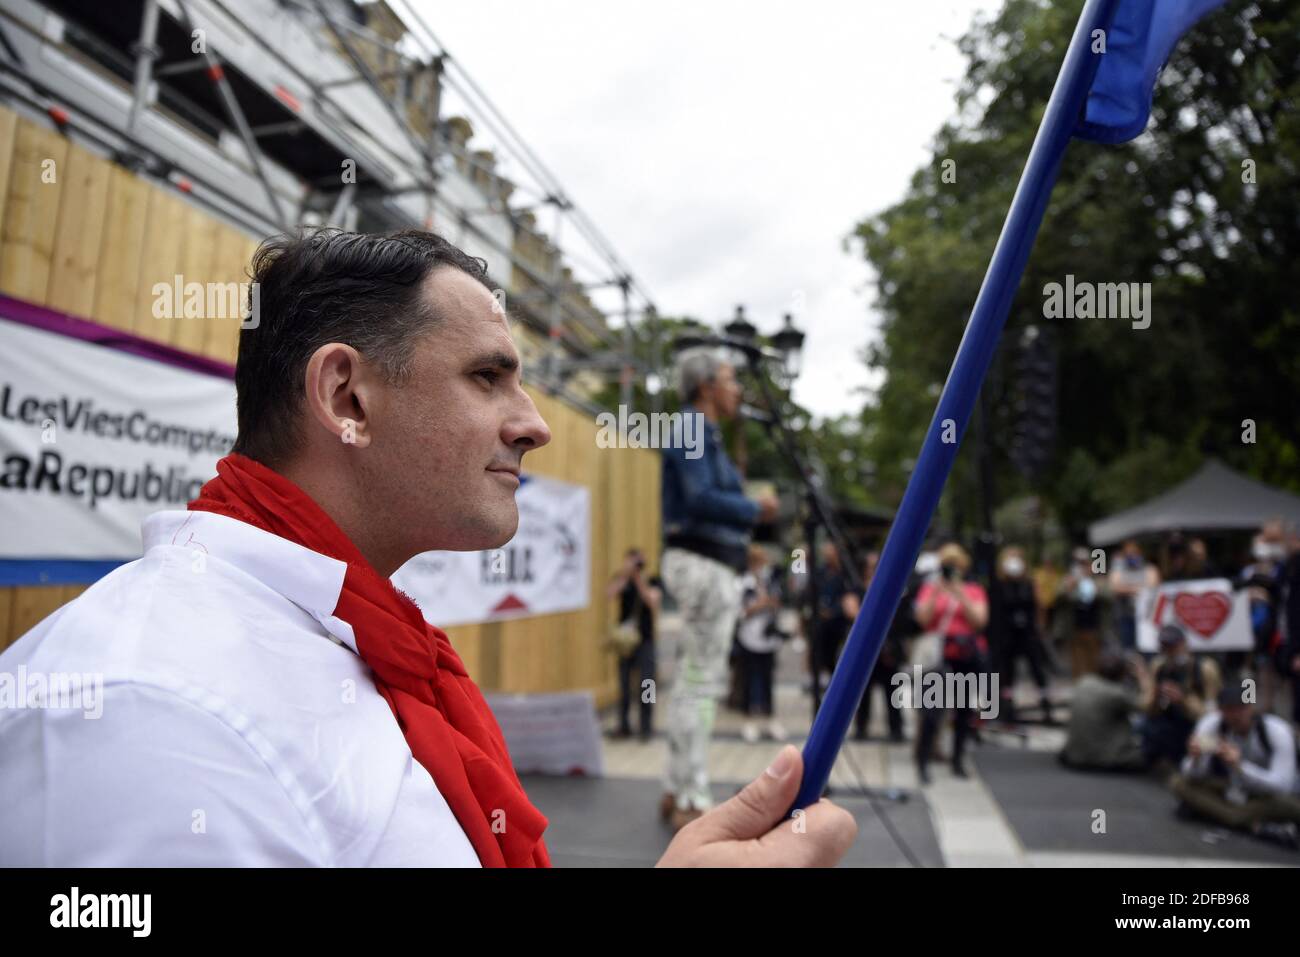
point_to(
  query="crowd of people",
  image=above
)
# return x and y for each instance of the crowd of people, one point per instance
(1209, 723)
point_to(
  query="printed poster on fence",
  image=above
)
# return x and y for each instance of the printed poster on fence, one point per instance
(545, 568)
(1211, 614)
(94, 439)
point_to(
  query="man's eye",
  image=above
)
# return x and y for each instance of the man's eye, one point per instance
(491, 375)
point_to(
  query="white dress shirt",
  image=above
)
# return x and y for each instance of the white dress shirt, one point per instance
(237, 726)
(1262, 771)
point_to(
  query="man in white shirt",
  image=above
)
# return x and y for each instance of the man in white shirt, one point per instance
(1240, 769)
(241, 690)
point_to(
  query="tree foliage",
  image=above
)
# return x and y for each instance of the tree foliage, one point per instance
(1205, 206)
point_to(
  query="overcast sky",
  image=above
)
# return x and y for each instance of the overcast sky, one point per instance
(727, 148)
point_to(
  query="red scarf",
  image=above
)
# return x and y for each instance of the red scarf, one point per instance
(447, 724)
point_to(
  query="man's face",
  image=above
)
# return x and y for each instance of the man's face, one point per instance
(1237, 717)
(447, 441)
(831, 556)
(726, 391)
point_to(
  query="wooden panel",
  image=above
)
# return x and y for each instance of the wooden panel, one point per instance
(121, 250)
(8, 129)
(31, 212)
(7, 634)
(160, 264)
(198, 261)
(230, 265)
(74, 271)
(31, 604)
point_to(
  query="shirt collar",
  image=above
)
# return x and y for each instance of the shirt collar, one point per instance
(310, 580)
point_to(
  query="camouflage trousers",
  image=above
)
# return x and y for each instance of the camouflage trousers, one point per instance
(708, 596)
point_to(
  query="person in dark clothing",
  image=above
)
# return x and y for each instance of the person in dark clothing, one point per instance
(1181, 689)
(1264, 581)
(833, 623)
(639, 598)
(1291, 639)
(889, 662)
(1013, 628)
(1081, 592)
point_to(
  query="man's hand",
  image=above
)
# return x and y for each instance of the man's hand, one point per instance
(748, 830)
(1230, 754)
(1172, 692)
(1194, 746)
(768, 505)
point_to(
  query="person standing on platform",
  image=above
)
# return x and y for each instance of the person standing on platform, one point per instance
(708, 521)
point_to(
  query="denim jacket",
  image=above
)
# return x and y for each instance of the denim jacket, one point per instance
(702, 497)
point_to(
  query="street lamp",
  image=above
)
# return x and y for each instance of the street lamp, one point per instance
(740, 328)
(789, 343)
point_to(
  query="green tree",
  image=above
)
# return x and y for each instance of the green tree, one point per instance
(1205, 206)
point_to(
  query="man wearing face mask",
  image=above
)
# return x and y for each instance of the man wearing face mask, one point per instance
(1130, 573)
(1084, 600)
(1014, 629)
(958, 610)
(1182, 686)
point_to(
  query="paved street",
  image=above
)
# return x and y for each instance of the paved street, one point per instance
(1018, 808)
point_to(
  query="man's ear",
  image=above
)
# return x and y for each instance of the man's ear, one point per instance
(338, 393)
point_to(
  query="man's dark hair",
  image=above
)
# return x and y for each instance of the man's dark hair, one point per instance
(362, 289)
(1112, 665)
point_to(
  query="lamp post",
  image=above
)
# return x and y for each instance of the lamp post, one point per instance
(789, 343)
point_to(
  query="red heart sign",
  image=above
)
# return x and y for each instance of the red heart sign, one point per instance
(1204, 613)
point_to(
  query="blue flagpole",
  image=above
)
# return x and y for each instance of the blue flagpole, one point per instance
(1064, 110)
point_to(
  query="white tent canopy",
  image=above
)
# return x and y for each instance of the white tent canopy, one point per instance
(1215, 497)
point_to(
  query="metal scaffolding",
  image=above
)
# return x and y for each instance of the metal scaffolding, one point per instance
(290, 141)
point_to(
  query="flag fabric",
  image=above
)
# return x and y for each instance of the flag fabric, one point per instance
(1142, 35)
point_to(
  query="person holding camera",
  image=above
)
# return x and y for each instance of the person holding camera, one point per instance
(638, 604)
(1240, 770)
(957, 610)
(759, 639)
(1101, 734)
(1181, 688)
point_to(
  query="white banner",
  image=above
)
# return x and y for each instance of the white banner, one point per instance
(1211, 614)
(545, 568)
(94, 439)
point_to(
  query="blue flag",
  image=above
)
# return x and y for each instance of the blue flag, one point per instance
(1141, 37)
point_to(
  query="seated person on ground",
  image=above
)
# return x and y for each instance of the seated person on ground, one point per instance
(1101, 732)
(1240, 769)
(1182, 686)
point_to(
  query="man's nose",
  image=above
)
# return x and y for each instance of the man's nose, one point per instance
(527, 430)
